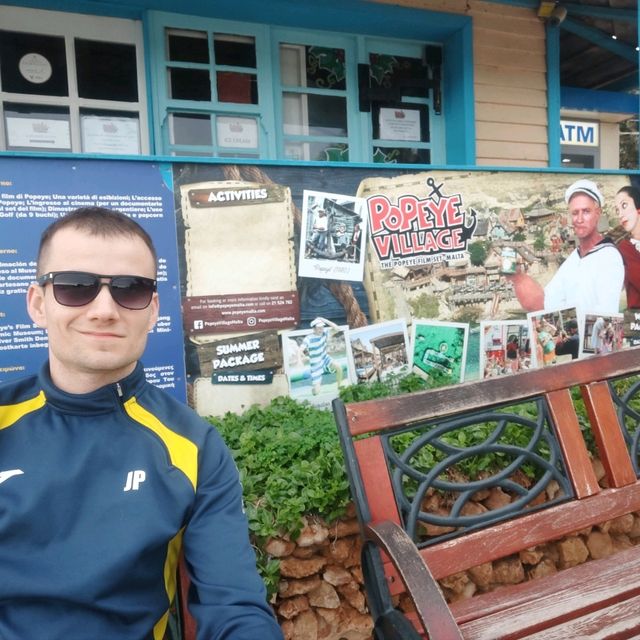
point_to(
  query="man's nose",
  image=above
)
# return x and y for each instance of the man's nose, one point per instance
(104, 303)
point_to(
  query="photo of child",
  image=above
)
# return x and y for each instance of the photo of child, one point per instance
(316, 361)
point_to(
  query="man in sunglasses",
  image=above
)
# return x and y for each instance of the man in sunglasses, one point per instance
(105, 478)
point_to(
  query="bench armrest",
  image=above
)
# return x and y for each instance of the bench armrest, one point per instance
(424, 591)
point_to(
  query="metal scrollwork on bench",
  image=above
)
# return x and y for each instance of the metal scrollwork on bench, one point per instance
(434, 459)
(626, 395)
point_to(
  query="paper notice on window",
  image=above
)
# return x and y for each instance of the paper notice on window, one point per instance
(400, 124)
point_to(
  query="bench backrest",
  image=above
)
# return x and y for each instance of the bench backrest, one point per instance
(408, 459)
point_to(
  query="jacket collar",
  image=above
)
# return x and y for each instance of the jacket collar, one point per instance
(102, 400)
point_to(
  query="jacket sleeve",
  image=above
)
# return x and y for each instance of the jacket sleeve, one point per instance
(227, 596)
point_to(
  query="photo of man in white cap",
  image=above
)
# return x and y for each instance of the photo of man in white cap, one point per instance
(591, 277)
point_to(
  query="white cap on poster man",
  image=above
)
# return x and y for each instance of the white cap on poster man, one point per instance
(317, 322)
(588, 187)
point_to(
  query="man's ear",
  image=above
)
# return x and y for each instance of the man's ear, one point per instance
(155, 311)
(35, 305)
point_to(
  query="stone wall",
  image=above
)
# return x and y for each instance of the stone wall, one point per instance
(321, 593)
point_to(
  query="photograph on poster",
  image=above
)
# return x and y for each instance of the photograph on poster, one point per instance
(333, 237)
(602, 333)
(316, 362)
(555, 336)
(439, 350)
(524, 230)
(505, 347)
(380, 350)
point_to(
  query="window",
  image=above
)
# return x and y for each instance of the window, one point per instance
(229, 89)
(399, 86)
(314, 102)
(211, 95)
(61, 92)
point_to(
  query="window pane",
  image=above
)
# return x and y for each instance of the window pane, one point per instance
(106, 70)
(114, 132)
(400, 75)
(35, 127)
(321, 151)
(304, 66)
(187, 46)
(314, 115)
(34, 64)
(195, 154)
(234, 51)
(190, 129)
(401, 155)
(236, 132)
(190, 84)
(241, 88)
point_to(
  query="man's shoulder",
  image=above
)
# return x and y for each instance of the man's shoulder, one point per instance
(173, 413)
(19, 390)
(606, 249)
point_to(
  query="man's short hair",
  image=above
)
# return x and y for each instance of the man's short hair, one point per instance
(571, 325)
(96, 221)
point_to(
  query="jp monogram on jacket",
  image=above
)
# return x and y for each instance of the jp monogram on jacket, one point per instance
(134, 479)
(5, 475)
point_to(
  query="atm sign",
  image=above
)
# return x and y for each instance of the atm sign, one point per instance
(574, 132)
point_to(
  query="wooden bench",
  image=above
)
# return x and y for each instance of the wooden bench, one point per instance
(407, 452)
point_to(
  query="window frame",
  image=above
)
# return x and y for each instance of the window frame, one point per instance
(269, 111)
(85, 27)
(164, 106)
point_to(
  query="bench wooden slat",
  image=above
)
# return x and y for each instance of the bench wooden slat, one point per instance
(512, 536)
(572, 443)
(382, 504)
(609, 439)
(615, 622)
(530, 607)
(376, 415)
(619, 621)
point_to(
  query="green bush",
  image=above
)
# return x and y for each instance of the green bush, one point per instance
(291, 464)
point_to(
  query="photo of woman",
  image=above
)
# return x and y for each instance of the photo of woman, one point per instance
(627, 203)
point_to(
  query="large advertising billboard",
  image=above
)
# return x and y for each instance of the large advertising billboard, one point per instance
(298, 280)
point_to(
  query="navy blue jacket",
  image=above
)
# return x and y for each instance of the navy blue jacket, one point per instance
(98, 493)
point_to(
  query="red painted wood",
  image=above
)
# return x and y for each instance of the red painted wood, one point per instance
(188, 621)
(531, 606)
(598, 599)
(527, 531)
(609, 439)
(376, 415)
(572, 443)
(614, 622)
(435, 616)
(376, 480)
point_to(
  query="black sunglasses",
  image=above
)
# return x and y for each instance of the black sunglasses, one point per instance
(77, 288)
